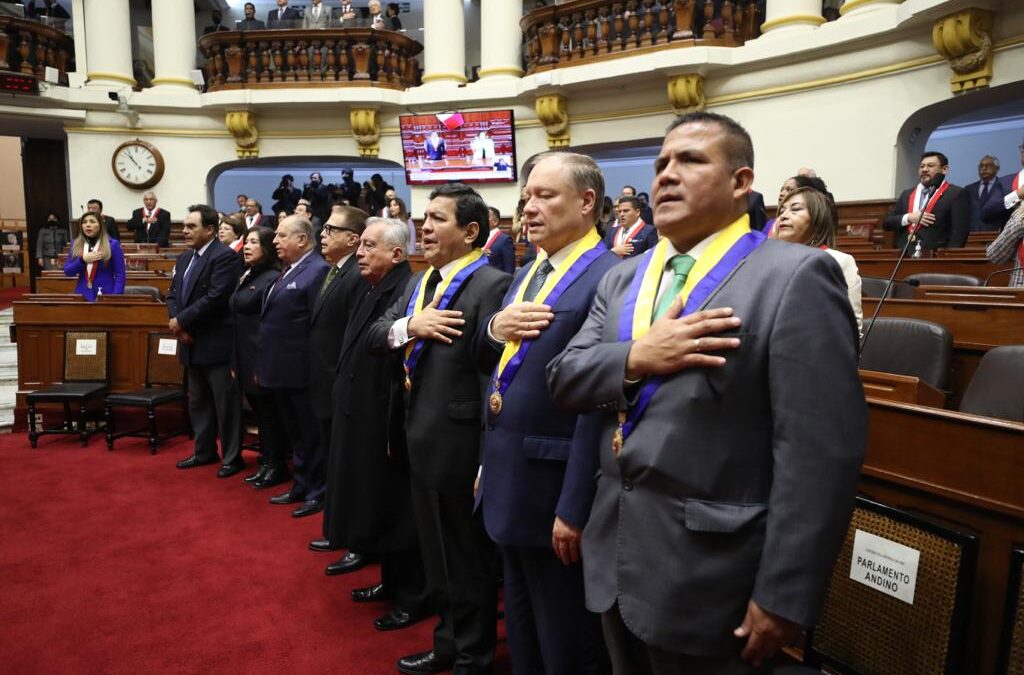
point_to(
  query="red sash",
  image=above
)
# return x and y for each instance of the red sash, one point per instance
(237, 246)
(1016, 181)
(912, 202)
(631, 234)
(491, 239)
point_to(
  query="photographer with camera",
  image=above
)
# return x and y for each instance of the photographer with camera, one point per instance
(319, 197)
(286, 195)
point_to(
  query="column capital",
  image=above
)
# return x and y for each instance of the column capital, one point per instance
(366, 130)
(965, 40)
(686, 93)
(242, 125)
(552, 111)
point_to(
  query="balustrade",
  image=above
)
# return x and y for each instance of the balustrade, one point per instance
(310, 58)
(28, 47)
(582, 31)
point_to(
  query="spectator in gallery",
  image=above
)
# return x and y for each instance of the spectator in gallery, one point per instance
(346, 14)
(253, 214)
(398, 211)
(316, 16)
(50, 242)
(240, 200)
(50, 9)
(283, 15)
(216, 23)
(96, 259)
(392, 22)
(349, 187)
(434, 147)
(250, 22)
(376, 16)
(95, 206)
(286, 196)
(318, 196)
(231, 232)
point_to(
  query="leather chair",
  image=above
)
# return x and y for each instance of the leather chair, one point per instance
(935, 279)
(164, 384)
(921, 349)
(151, 291)
(86, 365)
(873, 287)
(997, 387)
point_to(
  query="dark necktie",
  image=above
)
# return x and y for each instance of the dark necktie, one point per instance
(333, 272)
(537, 282)
(984, 192)
(188, 273)
(432, 281)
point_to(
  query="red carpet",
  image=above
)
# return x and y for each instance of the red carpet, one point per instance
(9, 295)
(119, 563)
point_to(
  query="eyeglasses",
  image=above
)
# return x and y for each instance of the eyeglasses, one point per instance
(332, 229)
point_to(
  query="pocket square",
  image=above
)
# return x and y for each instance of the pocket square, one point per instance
(292, 286)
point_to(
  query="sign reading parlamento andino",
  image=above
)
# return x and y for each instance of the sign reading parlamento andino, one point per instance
(884, 565)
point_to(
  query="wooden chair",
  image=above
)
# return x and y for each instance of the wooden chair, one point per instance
(164, 384)
(863, 630)
(86, 364)
(1011, 652)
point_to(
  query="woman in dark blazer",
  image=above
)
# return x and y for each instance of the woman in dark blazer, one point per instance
(96, 259)
(261, 269)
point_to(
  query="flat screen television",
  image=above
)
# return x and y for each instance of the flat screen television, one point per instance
(471, 147)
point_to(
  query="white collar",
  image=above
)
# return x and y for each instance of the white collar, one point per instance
(200, 252)
(341, 263)
(695, 252)
(559, 256)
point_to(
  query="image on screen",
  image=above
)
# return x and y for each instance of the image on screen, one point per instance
(472, 147)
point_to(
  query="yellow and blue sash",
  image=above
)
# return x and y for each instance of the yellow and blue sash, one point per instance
(447, 288)
(725, 252)
(586, 251)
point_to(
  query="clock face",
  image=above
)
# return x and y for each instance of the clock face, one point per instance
(138, 164)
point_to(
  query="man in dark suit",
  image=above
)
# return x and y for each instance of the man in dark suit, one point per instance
(250, 22)
(216, 24)
(983, 191)
(444, 391)
(731, 438)
(935, 209)
(500, 250)
(151, 224)
(755, 209)
(253, 214)
(1011, 188)
(631, 236)
(318, 196)
(537, 473)
(283, 16)
(284, 367)
(369, 505)
(286, 196)
(339, 289)
(109, 224)
(197, 304)
(50, 8)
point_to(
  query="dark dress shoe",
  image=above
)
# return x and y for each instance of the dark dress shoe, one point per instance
(289, 497)
(321, 546)
(350, 562)
(397, 619)
(309, 508)
(229, 470)
(424, 663)
(192, 462)
(258, 476)
(273, 476)
(373, 593)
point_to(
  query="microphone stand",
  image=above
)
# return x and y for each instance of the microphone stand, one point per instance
(885, 294)
(997, 272)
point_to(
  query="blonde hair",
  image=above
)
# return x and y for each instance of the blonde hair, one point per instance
(102, 238)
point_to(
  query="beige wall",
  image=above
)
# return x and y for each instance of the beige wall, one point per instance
(12, 187)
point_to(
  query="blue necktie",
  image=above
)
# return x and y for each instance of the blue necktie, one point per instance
(185, 276)
(984, 192)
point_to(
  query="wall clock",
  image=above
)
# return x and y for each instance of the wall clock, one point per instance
(137, 164)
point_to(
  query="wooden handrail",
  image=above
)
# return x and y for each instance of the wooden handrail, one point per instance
(583, 31)
(28, 47)
(334, 57)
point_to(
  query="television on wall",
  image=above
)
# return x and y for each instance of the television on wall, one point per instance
(471, 147)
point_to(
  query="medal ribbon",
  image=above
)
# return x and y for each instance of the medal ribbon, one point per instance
(928, 207)
(726, 251)
(464, 268)
(586, 251)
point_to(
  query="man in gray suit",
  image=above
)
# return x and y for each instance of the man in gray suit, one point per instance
(317, 16)
(732, 436)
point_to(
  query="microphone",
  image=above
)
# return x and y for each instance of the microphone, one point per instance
(998, 272)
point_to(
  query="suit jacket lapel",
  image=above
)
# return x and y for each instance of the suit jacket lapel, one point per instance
(274, 290)
(364, 308)
(322, 298)
(722, 285)
(197, 269)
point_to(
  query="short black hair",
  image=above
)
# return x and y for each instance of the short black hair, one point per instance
(96, 202)
(208, 217)
(470, 207)
(494, 212)
(943, 160)
(739, 148)
(813, 182)
(635, 201)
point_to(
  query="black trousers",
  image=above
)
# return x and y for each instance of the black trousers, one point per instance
(401, 572)
(632, 656)
(549, 628)
(272, 443)
(459, 562)
(216, 409)
(302, 434)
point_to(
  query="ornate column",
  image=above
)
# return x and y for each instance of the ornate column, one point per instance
(108, 44)
(444, 42)
(789, 16)
(174, 43)
(851, 7)
(501, 48)
(78, 30)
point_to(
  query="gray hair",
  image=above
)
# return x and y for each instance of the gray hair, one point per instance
(396, 233)
(995, 160)
(583, 172)
(301, 225)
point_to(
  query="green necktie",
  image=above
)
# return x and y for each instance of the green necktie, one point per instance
(681, 266)
(333, 272)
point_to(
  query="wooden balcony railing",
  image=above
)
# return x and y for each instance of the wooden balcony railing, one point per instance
(584, 31)
(28, 47)
(335, 57)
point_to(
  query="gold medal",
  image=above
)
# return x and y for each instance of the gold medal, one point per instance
(408, 383)
(495, 403)
(88, 284)
(617, 438)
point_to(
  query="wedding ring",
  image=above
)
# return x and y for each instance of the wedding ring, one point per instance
(696, 345)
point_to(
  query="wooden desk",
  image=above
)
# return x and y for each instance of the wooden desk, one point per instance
(964, 469)
(900, 388)
(871, 266)
(54, 283)
(998, 294)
